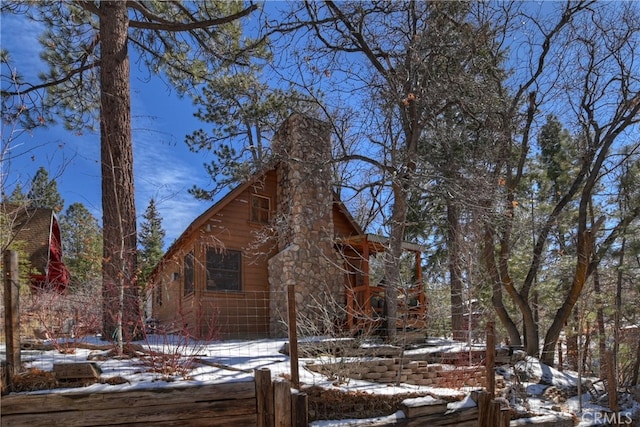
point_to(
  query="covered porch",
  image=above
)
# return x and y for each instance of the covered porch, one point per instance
(365, 287)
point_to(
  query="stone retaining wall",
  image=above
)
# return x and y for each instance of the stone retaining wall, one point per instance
(406, 371)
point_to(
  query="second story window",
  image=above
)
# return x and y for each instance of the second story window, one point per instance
(260, 209)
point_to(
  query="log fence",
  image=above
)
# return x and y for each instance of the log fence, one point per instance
(259, 402)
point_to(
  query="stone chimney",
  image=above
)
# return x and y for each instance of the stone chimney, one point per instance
(306, 254)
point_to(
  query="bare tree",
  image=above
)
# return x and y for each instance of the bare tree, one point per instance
(577, 63)
(407, 63)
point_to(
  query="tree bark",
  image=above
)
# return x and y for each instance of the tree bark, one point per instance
(602, 338)
(496, 296)
(635, 376)
(455, 273)
(392, 258)
(563, 314)
(121, 316)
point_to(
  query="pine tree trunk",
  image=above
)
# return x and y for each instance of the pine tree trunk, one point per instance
(635, 376)
(392, 258)
(602, 343)
(455, 273)
(121, 316)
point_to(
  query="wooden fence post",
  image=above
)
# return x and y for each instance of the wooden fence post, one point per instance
(293, 336)
(282, 403)
(12, 313)
(560, 361)
(264, 397)
(484, 404)
(505, 417)
(299, 409)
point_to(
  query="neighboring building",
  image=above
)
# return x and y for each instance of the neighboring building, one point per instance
(228, 274)
(38, 231)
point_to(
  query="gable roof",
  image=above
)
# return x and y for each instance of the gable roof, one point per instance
(33, 227)
(214, 209)
(38, 231)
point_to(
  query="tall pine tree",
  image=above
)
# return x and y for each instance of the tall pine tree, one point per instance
(44, 192)
(82, 246)
(17, 196)
(151, 240)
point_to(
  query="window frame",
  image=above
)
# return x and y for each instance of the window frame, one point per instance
(188, 274)
(158, 293)
(258, 212)
(210, 283)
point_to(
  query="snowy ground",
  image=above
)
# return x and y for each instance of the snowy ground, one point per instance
(236, 360)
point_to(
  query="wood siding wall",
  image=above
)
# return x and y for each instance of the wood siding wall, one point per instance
(222, 314)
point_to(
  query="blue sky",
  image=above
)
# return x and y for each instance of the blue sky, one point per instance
(164, 168)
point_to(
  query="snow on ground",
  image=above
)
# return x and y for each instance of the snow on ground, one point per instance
(225, 361)
(360, 422)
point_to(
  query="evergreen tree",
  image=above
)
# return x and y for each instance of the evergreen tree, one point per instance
(44, 192)
(151, 240)
(82, 245)
(245, 113)
(555, 152)
(17, 196)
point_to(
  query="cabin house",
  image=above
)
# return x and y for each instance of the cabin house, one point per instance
(228, 274)
(37, 232)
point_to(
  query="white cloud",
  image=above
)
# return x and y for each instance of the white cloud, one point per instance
(19, 36)
(164, 175)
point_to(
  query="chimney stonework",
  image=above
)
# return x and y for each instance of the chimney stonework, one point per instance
(306, 255)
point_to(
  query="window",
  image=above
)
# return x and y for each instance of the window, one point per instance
(223, 270)
(158, 292)
(188, 273)
(260, 209)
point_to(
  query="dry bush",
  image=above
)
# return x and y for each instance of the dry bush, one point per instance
(64, 318)
(329, 341)
(172, 349)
